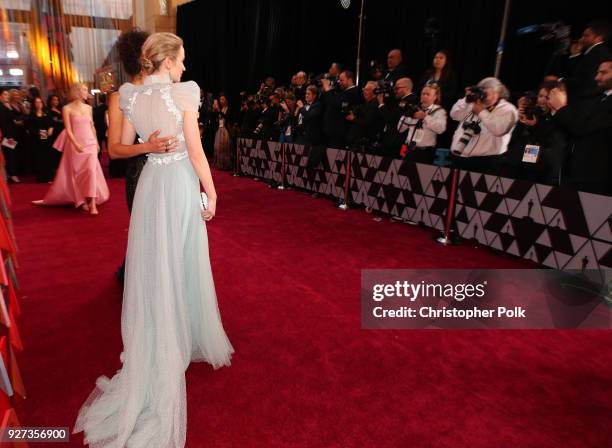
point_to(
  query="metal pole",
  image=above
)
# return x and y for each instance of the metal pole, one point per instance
(502, 39)
(358, 62)
(282, 185)
(446, 238)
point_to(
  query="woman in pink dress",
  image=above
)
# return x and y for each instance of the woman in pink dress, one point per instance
(79, 179)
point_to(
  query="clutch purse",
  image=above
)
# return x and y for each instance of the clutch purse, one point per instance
(203, 201)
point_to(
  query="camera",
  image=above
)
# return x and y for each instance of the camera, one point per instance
(384, 87)
(409, 105)
(475, 94)
(531, 109)
(470, 128)
(333, 81)
(346, 108)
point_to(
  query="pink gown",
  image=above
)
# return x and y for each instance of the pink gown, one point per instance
(79, 175)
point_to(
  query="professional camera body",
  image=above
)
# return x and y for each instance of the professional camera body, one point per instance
(333, 81)
(409, 105)
(531, 109)
(470, 129)
(385, 87)
(474, 94)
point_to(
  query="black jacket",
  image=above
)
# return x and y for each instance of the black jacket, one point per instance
(309, 124)
(589, 124)
(368, 124)
(335, 126)
(581, 83)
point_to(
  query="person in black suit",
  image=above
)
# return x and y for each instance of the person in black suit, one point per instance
(589, 122)
(392, 113)
(367, 119)
(586, 57)
(309, 117)
(337, 105)
(395, 66)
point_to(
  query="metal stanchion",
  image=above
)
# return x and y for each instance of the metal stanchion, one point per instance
(448, 237)
(237, 169)
(345, 204)
(282, 184)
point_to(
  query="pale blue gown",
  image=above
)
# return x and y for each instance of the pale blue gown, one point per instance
(170, 315)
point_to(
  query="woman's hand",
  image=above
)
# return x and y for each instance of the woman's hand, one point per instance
(79, 148)
(209, 213)
(161, 145)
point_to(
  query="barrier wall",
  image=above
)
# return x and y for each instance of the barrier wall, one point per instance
(554, 227)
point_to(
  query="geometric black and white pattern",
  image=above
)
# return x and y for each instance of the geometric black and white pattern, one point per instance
(555, 227)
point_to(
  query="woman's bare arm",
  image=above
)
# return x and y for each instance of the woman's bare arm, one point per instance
(199, 162)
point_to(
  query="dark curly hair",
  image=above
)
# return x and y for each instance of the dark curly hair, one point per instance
(129, 46)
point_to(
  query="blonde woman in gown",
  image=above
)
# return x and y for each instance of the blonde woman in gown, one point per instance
(170, 315)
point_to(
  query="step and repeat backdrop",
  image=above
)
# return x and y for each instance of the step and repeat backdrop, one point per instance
(554, 227)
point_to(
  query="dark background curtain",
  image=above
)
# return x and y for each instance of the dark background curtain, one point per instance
(231, 45)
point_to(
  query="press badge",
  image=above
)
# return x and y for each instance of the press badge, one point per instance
(531, 153)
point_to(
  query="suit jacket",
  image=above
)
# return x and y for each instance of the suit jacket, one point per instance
(335, 126)
(310, 128)
(589, 123)
(399, 72)
(581, 83)
(368, 124)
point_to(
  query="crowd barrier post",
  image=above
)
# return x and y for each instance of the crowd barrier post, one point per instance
(282, 184)
(344, 205)
(448, 238)
(237, 167)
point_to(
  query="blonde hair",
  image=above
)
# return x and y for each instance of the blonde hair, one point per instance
(158, 47)
(75, 90)
(436, 88)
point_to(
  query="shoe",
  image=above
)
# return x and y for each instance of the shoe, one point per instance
(15, 179)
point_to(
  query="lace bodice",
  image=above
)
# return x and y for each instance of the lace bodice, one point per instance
(159, 104)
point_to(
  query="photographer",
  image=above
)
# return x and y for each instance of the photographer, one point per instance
(249, 116)
(337, 105)
(395, 67)
(486, 120)
(586, 56)
(299, 85)
(423, 127)
(538, 148)
(367, 119)
(309, 116)
(393, 139)
(287, 120)
(265, 129)
(589, 123)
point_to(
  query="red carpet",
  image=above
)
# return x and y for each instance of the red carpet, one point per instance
(287, 271)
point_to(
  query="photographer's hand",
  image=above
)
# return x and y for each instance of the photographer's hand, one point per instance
(477, 107)
(526, 121)
(557, 99)
(350, 117)
(419, 115)
(523, 102)
(381, 99)
(326, 84)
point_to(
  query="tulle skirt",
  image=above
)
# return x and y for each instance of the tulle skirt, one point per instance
(169, 318)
